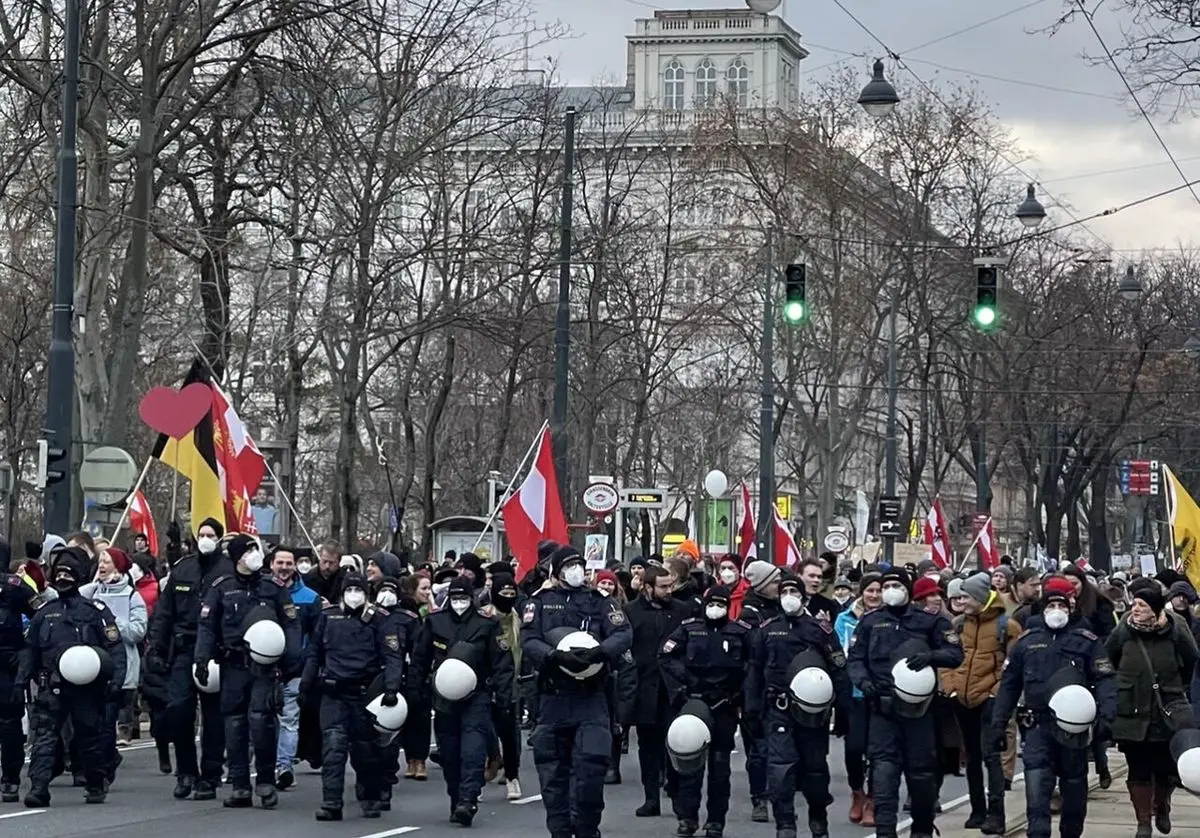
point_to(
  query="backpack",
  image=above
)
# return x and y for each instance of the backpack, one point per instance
(1001, 627)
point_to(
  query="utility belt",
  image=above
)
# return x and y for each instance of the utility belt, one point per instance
(347, 687)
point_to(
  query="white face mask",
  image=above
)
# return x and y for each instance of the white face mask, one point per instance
(791, 603)
(135, 573)
(728, 575)
(604, 591)
(895, 596)
(206, 545)
(574, 575)
(386, 598)
(303, 568)
(253, 560)
(354, 598)
(715, 612)
(1055, 619)
(842, 599)
(460, 605)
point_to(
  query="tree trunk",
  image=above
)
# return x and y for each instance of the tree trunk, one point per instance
(1099, 548)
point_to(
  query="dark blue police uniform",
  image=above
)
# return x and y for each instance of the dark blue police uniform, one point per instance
(1036, 657)
(797, 755)
(900, 745)
(17, 600)
(573, 737)
(349, 649)
(171, 643)
(249, 691)
(707, 659)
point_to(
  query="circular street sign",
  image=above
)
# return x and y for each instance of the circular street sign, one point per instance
(108, 474)
(836, 542)
(600, 498)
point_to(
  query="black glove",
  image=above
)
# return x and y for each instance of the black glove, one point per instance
(572, 661)
(1103, 731)
(999, 739)
(868, 689)
(390, 699)
(593, 655)
(919, 660)
(155, 665)
(841, 724)
(201, 672)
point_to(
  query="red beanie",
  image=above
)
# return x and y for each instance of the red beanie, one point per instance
(120, 559)
(925, 587)
(606, 576)
(1058, 587)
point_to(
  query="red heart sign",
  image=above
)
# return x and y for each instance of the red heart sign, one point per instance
(176, 413)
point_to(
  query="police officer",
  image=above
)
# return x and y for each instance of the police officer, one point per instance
(353, 643)
(573, 737)
(249, 690)
(1060, 641)
(797, 738)
(60, 626)
(172, 639)
(461, 634)
(17, 600)
(706, 657)
(388, 598)
(761, 604)
(903, 740)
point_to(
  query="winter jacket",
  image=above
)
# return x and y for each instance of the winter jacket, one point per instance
(147, 588)
(986, 638)
(130, 611)
(652, 624)
(1173, 655)
(308, 604)
(844, 627)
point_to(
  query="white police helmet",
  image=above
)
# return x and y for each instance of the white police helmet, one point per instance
(214, 679)
(1074, 708)
(454, 679)
(688, 738)
(79, 665)
(266, 641)
(580, 640)
(812, 689)
(1185, 750)
(913, 686)
(388, 719)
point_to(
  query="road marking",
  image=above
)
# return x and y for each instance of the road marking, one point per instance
(954, 804)
(534, 799)
(11, 815)
(400, 830)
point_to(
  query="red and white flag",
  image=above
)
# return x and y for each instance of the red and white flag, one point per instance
(989, 552)
(937, 535)
(787, 554)
(1083, 564)
(534, 512)
(747, 546)
(142, 522)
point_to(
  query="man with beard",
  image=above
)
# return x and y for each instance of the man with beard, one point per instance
(326, 578)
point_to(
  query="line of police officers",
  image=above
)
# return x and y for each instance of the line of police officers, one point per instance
(226, 636)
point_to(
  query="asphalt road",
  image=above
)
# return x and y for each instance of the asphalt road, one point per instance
(140, 806)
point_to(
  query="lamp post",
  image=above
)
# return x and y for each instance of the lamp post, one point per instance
(1130, 287)
(766, 426)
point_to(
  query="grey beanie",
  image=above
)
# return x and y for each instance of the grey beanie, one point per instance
(978, 588)
(1002, 568)
(954, 589)
(760, 574)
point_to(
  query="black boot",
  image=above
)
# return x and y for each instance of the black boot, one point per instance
(760, 814)
(10, 792)
(164, 756)
(37, 798)
(686, 829)
(649, 809)
(267, 795)
(95, 795)
(975, 820)
(819, 827)
(712, 829)
(464, 814)
(329, 813)
(239, 799)
(612, 777)
(205, 790)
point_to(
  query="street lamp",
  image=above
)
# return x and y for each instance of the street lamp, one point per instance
(1130, 287)
(878, 98)
(1192, 345)
(1030, 212)
(763, 7)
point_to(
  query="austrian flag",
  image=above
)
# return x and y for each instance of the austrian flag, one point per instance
(534, 512)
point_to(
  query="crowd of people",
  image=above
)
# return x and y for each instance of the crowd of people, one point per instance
(280, 655)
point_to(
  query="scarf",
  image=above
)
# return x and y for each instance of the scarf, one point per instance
(1155, 623)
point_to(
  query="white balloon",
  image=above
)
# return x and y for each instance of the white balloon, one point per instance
(716, 483)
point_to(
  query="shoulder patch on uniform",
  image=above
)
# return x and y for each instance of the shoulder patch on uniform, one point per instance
(204, 611)
(392, 641)
(825, 626)
(278, 582)
(530, 610)
(14, 580)
(112, 634)
(691, 620)
(838, 657)
(952, 638)
(100, 606)
(1088, 634)
(616, 617)
(218, 580)
(743, 624)
(668, 647)
(627, 656)
(502, 643)
(289, 611)
(1023, 633)
(1104, 666)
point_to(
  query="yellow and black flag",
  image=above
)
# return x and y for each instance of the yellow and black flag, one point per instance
(195, 457)
(1184, 516)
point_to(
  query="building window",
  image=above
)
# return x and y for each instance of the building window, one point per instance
(737, 78)
(673, 87)
(706, 82)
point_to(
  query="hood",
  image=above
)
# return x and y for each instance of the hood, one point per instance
(993, 611)
(388, 563)
(858, 607)
(121, 586)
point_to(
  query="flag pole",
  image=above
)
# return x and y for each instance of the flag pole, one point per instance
(137, 487)
(288, 501)
(537, 438)
(974, 543)
(1172, 501)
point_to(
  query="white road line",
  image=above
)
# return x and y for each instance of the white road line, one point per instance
(12, 815)
(534, 799)
(400, 830)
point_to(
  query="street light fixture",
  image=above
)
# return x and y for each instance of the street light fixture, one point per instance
(879, 97)
(1030, 212)
(1192, 345)
(1130, 287)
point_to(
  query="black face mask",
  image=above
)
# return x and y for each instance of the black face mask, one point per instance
(66, 587)
(504, 604)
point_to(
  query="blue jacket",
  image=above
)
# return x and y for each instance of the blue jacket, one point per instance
(844, 626)
(308, 604)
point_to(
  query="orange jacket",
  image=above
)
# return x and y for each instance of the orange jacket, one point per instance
(985, 647)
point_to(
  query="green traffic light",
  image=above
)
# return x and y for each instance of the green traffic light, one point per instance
(793, 311)
(985, 316)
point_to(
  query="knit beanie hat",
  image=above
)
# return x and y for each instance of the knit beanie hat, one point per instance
(760, 574)
(978, 587)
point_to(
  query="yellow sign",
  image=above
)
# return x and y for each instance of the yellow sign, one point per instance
(784, 504)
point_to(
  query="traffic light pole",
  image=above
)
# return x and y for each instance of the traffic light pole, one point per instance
(60, 395)
(562, 322)
(766, 432)
(890, 442)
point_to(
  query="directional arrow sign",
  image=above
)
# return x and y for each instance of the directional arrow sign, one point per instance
(889, 517)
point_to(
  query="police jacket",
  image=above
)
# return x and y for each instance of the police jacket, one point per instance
(176, 617)
(577, 609)
(757, 609)
(17, 600)
(651, 623)
(227, 604)
(1039, 653)
(773, 648)
(880, 634)
(348, 649)
(66, 622)
(484, 649)
(707, 659)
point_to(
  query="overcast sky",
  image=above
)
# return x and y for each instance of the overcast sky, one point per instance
(1074, 136)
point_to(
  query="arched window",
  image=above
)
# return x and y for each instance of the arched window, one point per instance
(673, 87)
(706, 82)
(737, 79)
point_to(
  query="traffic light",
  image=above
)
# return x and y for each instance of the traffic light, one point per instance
(48, 457)
(987, 287)
(795, 307)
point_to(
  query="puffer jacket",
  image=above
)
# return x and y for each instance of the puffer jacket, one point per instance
(127, 606)
(985, 647)
(844, 626)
